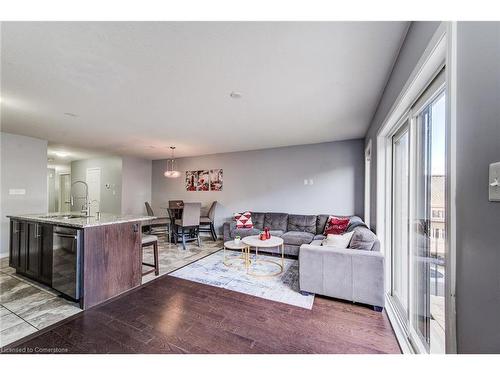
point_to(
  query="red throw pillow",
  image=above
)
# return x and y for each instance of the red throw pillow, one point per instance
(336, 225)
(243, 220)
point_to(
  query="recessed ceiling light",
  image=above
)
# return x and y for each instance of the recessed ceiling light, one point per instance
(61, 154)
(70, 114)
(235, 95)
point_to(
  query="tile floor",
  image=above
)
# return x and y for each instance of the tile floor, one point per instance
(27, 306)
(172, 257)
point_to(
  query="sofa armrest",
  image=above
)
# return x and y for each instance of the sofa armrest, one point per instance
(355, 275)
(226, 231)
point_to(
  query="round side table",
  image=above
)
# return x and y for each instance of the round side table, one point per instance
(257, 243)
(245, 253)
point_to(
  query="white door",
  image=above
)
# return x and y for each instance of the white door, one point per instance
(94, 183)
(65, 192)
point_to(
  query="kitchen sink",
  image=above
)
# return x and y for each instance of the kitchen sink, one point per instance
(69, 216)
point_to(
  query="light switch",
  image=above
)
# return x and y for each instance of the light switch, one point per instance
(494, 182)
(17, 191)
(311, 182)
(305, 182)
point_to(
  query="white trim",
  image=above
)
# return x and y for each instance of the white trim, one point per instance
(401, 336)
(434, 57)
(368, 171)
(451, 183)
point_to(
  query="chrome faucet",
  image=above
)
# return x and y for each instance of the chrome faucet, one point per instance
(86, 206)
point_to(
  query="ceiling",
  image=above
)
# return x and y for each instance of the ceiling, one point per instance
(136, 88)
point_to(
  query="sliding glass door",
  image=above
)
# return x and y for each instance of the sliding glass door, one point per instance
(428, 255)
(419, 222)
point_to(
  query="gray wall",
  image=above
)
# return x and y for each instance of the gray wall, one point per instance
(478, 220)
(478, 145)
(418, 37)
(273, 180)
(23, 166)
(136, 184)
(111, 173)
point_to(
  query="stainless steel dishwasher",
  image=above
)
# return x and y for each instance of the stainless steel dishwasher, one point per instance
(66, 262)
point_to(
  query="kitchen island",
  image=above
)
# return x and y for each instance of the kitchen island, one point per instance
(85, 258)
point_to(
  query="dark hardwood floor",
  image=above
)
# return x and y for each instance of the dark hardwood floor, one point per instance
(171, 315)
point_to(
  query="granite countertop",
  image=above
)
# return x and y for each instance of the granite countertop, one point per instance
(81, 221)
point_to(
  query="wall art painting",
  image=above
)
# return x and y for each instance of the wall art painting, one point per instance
(191, 180)
(203, 180)
(216, 179)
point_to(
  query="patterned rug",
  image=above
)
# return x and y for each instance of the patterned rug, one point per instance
(172, 257)
(282, 288)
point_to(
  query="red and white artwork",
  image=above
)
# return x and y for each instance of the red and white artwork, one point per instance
(203, 181)
(191, 180)
(216, 178)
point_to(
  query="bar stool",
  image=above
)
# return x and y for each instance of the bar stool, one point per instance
(151, 240)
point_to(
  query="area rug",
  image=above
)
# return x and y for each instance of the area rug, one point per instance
(172, 257)
(282, 288)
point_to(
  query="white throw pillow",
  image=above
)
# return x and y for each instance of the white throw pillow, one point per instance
(340, 241)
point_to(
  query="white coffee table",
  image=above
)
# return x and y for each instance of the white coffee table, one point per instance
(254, 241)
(245, 250)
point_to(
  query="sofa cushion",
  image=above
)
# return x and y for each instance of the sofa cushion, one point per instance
(320, 223)
(276, 221)
(277, 233)
(244, 232)
(354, 222)
(297, 238)
(243, 220)
(363, 239)
(336, 225)
(302, 223)
(258, 220)
(339, 241)
(319, 237)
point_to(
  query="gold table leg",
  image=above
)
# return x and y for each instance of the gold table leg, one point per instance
(245, 258)
(281, 266)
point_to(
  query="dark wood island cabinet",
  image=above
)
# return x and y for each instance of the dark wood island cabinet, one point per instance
(104, 257)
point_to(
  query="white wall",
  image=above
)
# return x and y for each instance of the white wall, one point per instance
(111, 173)
(273, 180)
(136, 185)
(23, 166)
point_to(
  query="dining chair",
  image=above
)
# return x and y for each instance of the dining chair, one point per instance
(176, 206)
(188, 226)
(162, 221)
(173, 227)
(207, 223)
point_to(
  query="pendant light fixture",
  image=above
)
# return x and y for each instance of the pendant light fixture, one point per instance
(171, 172)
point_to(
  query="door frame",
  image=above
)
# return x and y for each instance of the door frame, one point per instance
(441, 51)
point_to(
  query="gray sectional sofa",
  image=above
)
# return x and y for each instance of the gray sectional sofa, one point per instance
(296, 230)
(355, 274)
